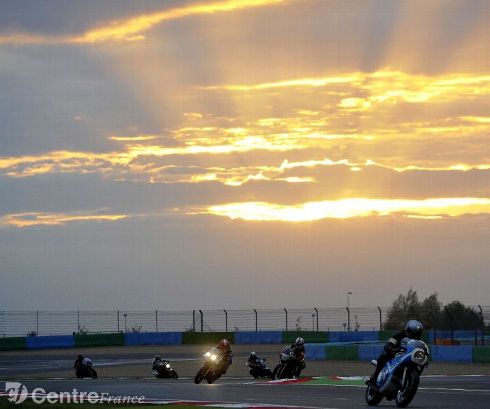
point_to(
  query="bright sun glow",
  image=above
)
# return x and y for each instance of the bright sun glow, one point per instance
(347, 208)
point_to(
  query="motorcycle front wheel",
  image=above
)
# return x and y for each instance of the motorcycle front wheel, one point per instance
(174, 374)
(200, 375)
(276, 371)
(408, 390)
(373, 397)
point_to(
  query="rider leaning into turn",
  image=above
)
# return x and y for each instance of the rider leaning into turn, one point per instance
(253, 358)
(224, 346)
(78, 364)
(413, 330)
(157, 360)
(296, 351)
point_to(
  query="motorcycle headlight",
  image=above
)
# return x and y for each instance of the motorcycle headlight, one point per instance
(207, 354)
(167, 365)
(213, 357)
(419, 357)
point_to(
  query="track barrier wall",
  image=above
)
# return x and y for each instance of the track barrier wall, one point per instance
(206, 337)
(153, 338)
(309, 336)
(258, 337)
(96, 340)
(363, 346)
(315, 352)
(481, 354)
(354, 336)
(60, 341)
(12, 344)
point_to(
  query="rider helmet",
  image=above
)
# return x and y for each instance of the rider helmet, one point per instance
(253, 355)
(157, 358)
(414, 328)
(299, 342)
(224, 345)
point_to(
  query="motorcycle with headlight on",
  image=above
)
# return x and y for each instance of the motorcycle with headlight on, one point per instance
(399, 379)
(212, 367)
(163, 369)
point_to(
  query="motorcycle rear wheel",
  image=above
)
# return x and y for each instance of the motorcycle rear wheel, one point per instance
(94, 374)
(407, 392)
(373, 397)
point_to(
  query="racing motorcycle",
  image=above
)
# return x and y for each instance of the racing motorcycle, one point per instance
(288, 365)
(212, 367)
(259, 369)
(86, 370)
(399, 379)
(163, 369)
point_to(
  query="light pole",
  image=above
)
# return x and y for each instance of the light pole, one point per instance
(348, 310)
(125, 326)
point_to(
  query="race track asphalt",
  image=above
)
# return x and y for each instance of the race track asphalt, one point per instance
(458, 392)
(125, 371)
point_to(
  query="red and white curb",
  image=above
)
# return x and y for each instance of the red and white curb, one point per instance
(80, 398)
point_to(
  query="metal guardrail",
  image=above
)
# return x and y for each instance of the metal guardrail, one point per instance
(22, 323)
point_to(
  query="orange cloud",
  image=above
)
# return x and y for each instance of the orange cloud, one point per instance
(54, 219)
(133, 29)
(348, 208)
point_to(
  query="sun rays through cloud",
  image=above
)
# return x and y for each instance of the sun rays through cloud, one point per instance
(350, 208)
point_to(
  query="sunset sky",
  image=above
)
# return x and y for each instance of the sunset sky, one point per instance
(243, 153)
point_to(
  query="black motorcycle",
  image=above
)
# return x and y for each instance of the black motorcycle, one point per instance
(212, 367)
(259, 369)
(86, 370)
(163, 369)
(288, 366)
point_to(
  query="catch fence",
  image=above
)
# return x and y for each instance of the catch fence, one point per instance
(22, 323)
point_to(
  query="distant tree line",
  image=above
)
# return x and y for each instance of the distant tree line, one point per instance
(431, 312)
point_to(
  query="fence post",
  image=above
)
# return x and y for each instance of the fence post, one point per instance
(194, 320)
(202, 321)
(286, 311)
(380, 319)
(348, 318)
(316, 311)
(78, 321)
(118, 329)
(37, 322)
(226, 320)
(256, 321)
(156, 320)
(482, 326)
(451, 323)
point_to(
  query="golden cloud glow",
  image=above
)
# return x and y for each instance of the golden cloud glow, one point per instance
(132, 29)
(348, 208)
(385, 86)
(54, 219)
(349, 120)
(135, 138)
